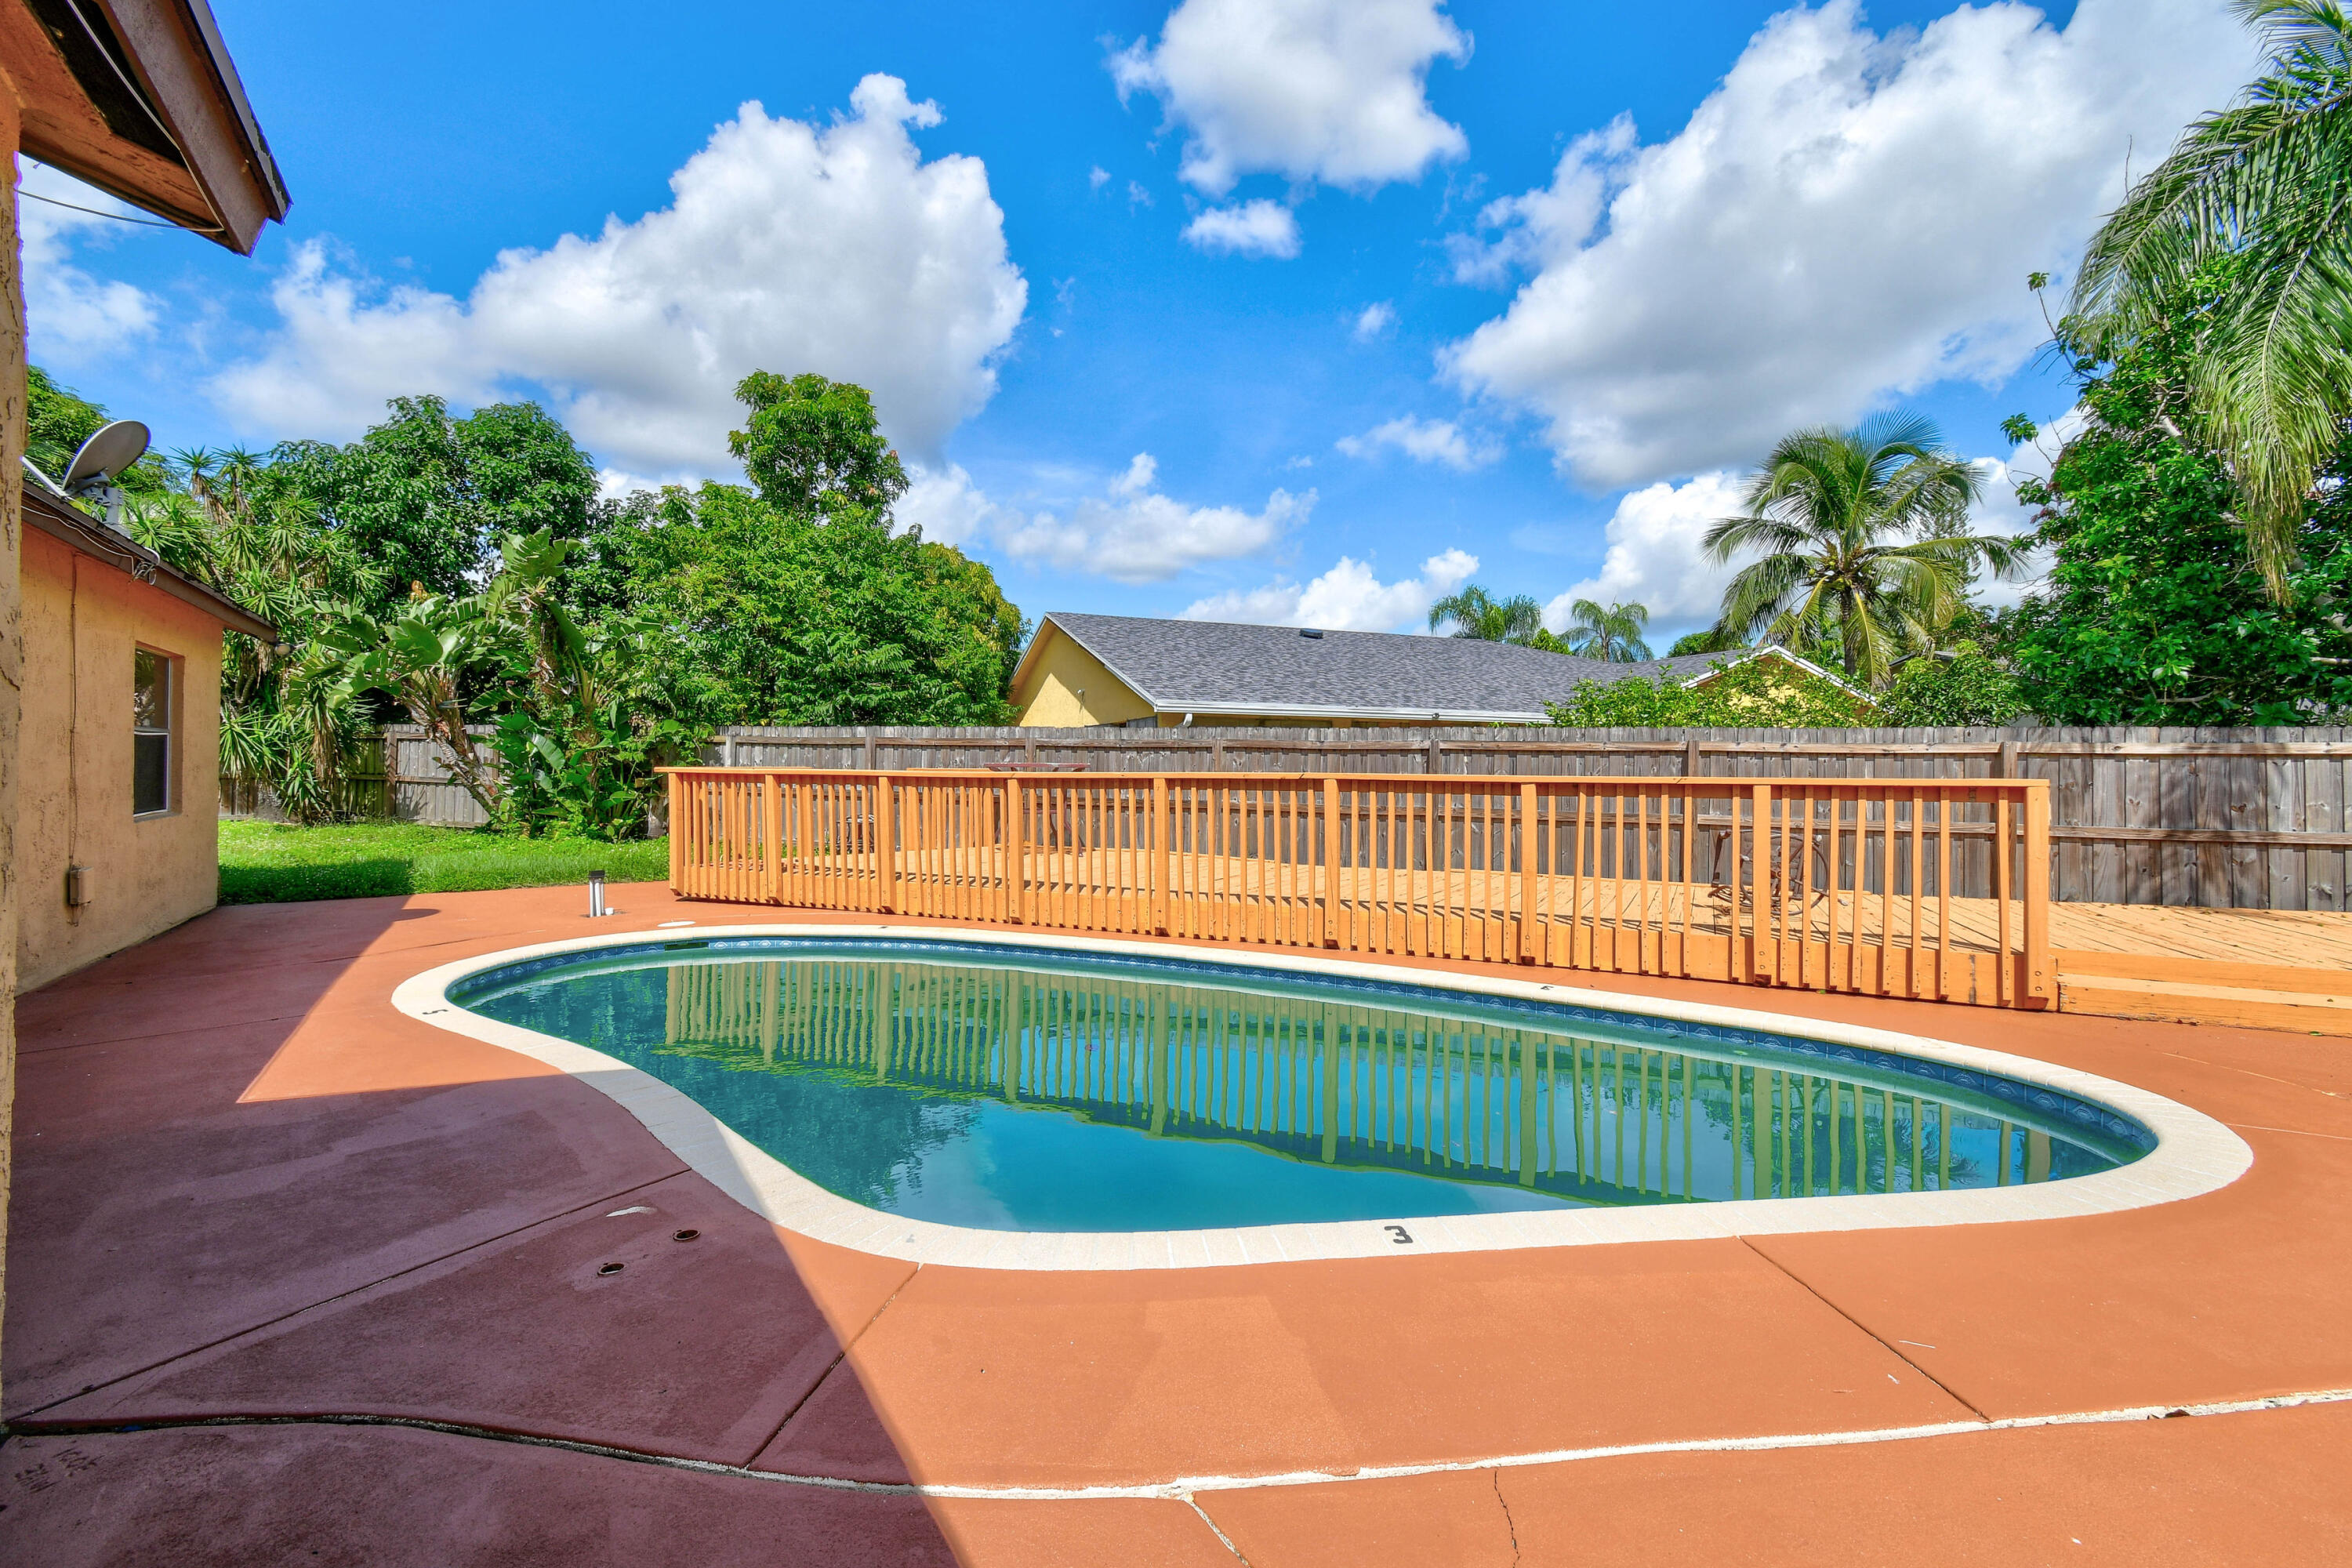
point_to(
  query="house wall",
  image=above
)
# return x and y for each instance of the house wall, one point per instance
(1067, 687)
(83, 617)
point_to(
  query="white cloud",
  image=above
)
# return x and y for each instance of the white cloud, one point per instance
(788, 247)
(1845, 216)
(1425, 441)
(1254, 229)
(1654, 558)
(1375, 319)
(1097, 177)
(71, 317)
(945, 504)
(1347, 598)
(1135, 535)
(1137, 196)
(1311, 89)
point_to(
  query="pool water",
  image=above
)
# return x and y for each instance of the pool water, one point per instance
(1038, 1092)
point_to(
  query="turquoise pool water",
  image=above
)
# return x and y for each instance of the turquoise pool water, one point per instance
(1023, 1090)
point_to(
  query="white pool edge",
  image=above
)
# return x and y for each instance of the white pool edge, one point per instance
(2194, 1153)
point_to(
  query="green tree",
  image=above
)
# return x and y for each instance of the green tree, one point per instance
(1711, 640)
(777, 619)
(814, 447)
(1610, 632)
(427, 496)
(1862, 543)
(1754, 693)
(2269, 370)
(1962, 685)
(1474, 613)
(2152, 611)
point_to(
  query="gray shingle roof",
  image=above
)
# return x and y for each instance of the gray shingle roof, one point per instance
(1214, 666)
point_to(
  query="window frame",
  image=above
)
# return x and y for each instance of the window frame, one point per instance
(168, 665)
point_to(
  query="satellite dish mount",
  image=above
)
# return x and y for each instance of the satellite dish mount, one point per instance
(101, 461)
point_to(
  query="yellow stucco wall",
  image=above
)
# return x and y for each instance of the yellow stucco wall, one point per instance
(82, 619)
(1066, 688)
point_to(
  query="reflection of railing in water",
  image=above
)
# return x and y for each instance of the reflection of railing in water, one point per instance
(1896, 887)
(1354, 1085)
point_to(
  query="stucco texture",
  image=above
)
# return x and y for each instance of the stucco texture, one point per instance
(83, 620)
(1065, 687)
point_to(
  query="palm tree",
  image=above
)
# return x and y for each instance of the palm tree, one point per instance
(1612, 632)
(1475, 613)
(2264, 186)
(1862, 538)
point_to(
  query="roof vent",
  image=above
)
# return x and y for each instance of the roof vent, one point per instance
(1310, 631)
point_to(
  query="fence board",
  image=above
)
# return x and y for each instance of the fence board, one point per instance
(395, 774)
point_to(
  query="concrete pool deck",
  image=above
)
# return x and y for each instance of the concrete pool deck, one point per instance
(330, 1263)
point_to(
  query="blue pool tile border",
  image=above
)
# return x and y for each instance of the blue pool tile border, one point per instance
(2088, 1114)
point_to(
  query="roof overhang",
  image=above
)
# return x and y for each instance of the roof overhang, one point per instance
(79, 530)
(1373, 715)
(140, 99)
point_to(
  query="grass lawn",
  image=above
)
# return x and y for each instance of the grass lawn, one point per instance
(266, 862)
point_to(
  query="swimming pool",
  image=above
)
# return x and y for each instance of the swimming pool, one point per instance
(1073, 1089)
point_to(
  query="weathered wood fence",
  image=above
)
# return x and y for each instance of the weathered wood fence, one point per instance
(395, 774)
(2210, 819)
(1912, 887)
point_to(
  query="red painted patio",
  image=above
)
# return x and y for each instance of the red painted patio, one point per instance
(295, 1278)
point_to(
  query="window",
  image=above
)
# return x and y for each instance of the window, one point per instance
(150, 733)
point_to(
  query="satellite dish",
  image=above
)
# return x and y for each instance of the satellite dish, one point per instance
(105, 455)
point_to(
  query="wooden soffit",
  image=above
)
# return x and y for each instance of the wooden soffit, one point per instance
(140, 99)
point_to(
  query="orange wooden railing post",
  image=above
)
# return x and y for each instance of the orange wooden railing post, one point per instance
(772, 830)
(886, 842)
(1330, 862)
(1528, 929)
(2040, 980)
(1160, 860)
(677, 834)
(1763, 957)
(1175, 824)
(1016, 852)
(804, 843)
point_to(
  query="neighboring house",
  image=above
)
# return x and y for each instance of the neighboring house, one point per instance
(118, 797)
(1124, 669)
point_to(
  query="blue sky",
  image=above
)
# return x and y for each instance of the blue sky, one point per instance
(1273, 309)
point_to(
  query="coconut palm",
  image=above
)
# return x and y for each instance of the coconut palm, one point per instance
(1862, 542)
(1475, 613)
(1612, 632)
(2265, 188)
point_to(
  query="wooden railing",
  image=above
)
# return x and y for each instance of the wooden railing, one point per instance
(1845, 884)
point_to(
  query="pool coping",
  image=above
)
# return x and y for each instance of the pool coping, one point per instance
(2194, 1153)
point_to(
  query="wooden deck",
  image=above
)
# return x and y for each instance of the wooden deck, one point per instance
(2263, 969)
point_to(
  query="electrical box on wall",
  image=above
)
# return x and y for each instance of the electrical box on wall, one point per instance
(78, 890)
